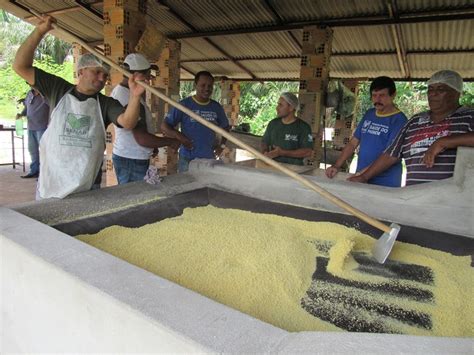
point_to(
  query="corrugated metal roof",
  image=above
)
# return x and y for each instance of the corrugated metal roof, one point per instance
(224, 14)
(419, 5)
(423, 66)
(263, 37)
(257, 45)
(444, 35)
(198, 48)
(364, 67)
(362, 39)
(301, 10)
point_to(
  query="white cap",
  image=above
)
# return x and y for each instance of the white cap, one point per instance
(291, 99)
(448, 77)
(137, 61)
(91, 61)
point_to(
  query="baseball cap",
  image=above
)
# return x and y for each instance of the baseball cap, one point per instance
(91, 61)
(137, 62)
(291, 99)
(448, 77)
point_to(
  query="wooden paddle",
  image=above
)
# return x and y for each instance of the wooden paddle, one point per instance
(384, 244)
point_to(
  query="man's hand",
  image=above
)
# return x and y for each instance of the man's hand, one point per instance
(218, 151)
(188, 144)
(45, 24)
(357, 178)
(331, 171)
(175, 144)
(135, 88)
(274, 153)
(430, 155)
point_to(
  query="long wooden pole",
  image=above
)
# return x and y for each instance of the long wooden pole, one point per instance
(306, 182)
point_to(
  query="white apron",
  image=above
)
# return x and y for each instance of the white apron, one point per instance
(72, 148)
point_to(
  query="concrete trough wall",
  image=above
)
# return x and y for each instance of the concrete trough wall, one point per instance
(61, 295)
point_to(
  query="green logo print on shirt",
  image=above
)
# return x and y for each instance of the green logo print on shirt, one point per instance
(76, 131)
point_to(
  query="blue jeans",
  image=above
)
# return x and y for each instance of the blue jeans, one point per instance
(183, 164)
(34, 138)
(128, 170)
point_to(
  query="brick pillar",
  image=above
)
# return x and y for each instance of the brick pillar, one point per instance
(77, 51)
(123, 26)
(166, 80)
(314, 77)
(230, 101)
(345, 126)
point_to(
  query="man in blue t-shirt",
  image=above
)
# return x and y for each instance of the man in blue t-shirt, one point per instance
(375, 132)
(197, 141)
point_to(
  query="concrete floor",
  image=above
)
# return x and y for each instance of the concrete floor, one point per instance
(14, 189)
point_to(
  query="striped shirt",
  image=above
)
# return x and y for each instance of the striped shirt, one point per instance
(418, 135)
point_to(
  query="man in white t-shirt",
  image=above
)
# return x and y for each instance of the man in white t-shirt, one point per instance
(133, 148)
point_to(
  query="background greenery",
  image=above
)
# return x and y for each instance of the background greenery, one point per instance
(50, 56)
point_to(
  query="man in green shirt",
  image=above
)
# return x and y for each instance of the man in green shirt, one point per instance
(287, 138)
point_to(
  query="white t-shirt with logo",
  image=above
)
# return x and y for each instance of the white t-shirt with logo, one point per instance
(125, 144)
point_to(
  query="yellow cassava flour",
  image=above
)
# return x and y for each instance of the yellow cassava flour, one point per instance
(263, 265)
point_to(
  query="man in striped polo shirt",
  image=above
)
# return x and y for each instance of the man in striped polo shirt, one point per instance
(429, 140)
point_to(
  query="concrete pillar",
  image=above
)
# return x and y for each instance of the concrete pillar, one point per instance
(314, 77)
(230, 100)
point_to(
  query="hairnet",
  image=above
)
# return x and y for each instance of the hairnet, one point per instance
(291, 99)
(91, 61)
(448, 77)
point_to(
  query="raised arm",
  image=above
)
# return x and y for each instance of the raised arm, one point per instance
(130, 117)
(23, 63)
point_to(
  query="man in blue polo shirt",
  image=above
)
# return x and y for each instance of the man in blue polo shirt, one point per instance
(197, 141)
(375, 132)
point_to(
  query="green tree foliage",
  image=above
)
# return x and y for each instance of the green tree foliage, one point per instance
(258, 102)
(50, 56)
(14, 88)
(14, 31)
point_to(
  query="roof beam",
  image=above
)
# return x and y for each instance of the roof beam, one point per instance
(466, 80)
(398, 39)
(208, 40)
(88, 7)
(66, 10)
(340, 54)
(189, 71)
(449, 15)
(279, 21)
